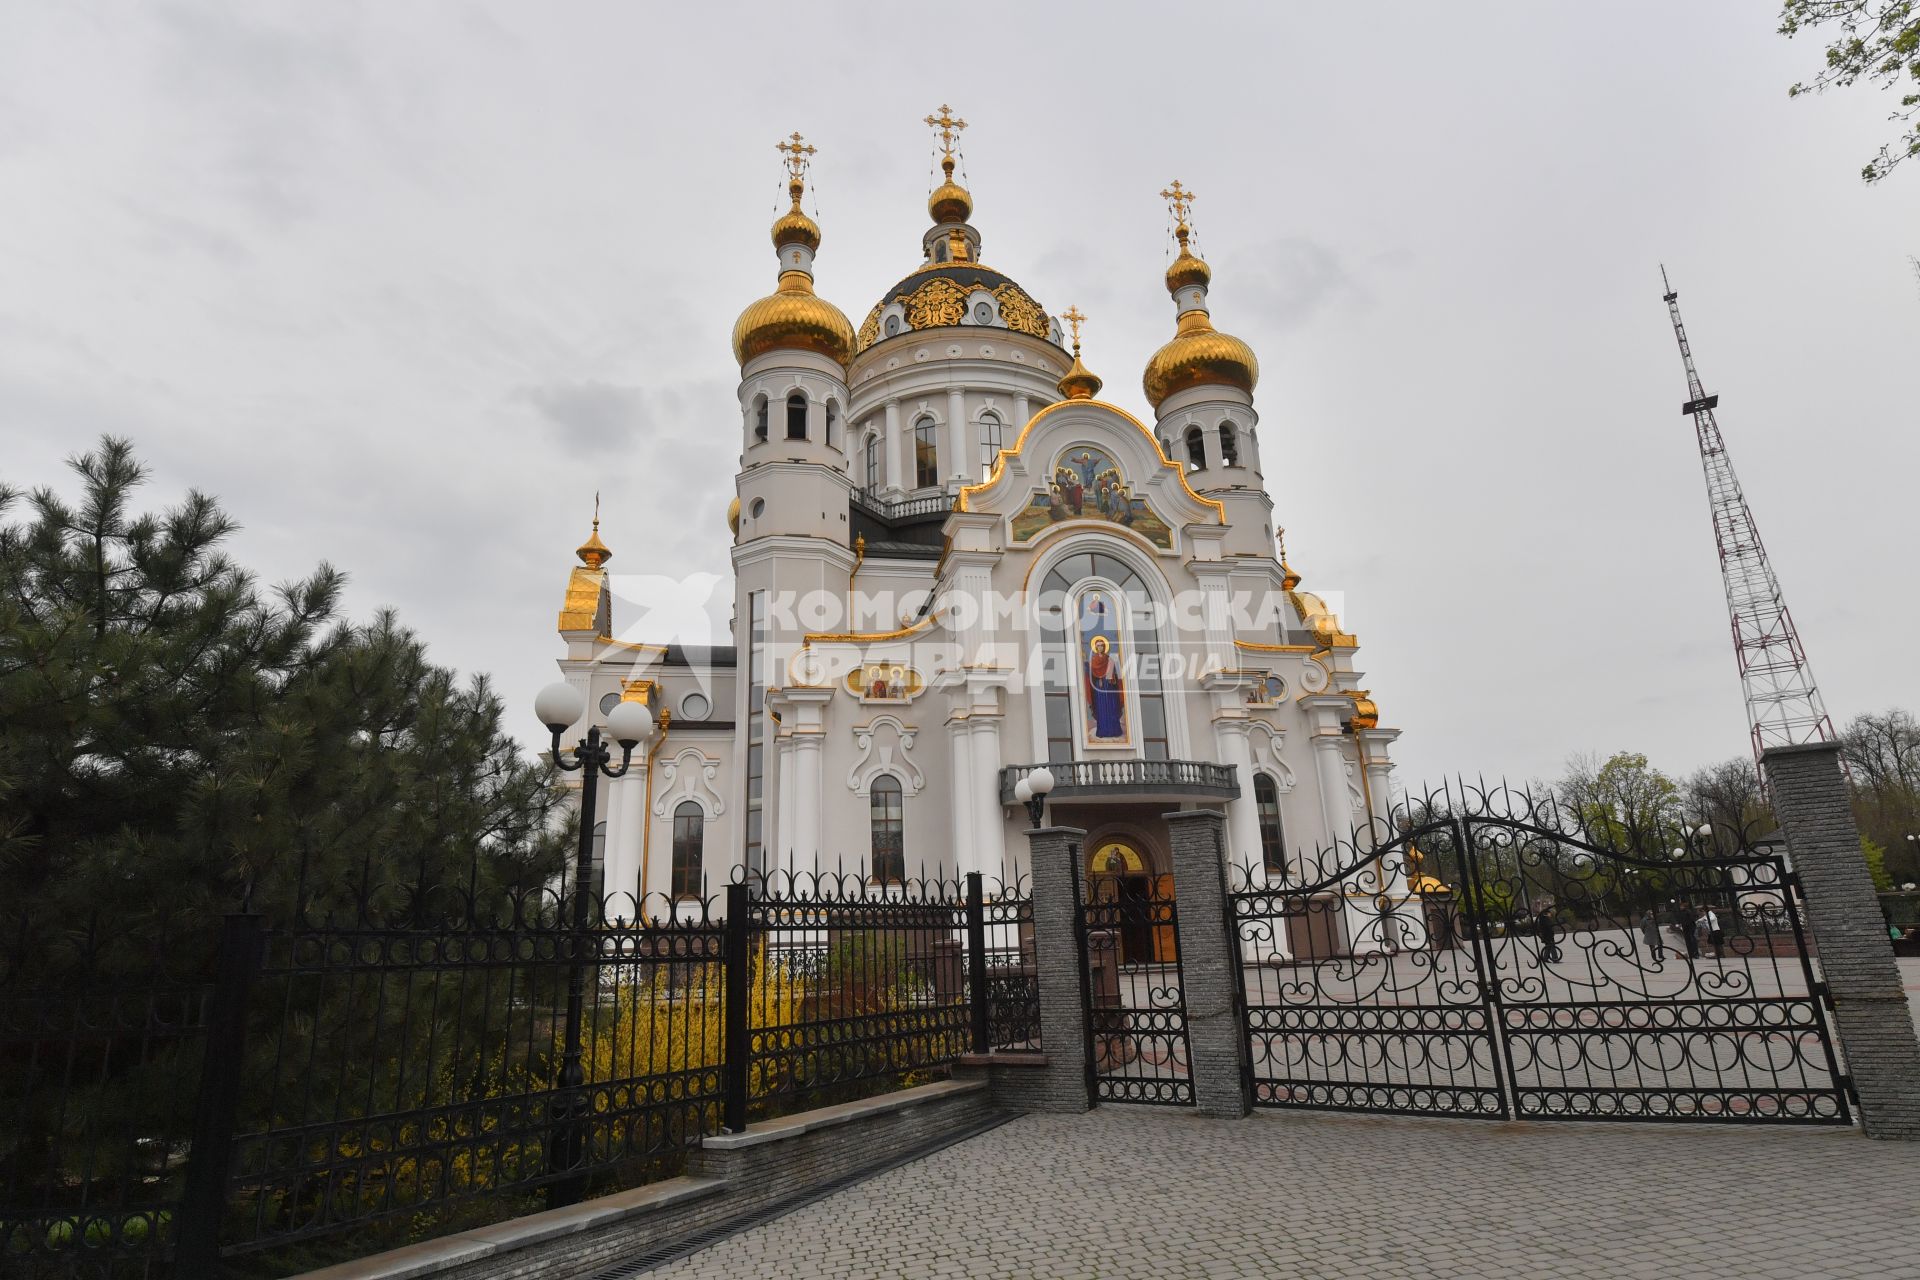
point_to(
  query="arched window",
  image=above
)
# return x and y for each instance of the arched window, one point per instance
(1196, 449)
(796, 417)
(1229, 446)
(873, 462)
(833, 423)
(689, 837)
(1143, 669)
(1273, 845)
(926, 461)
(989, 443)
(759, 417)
(887, 810)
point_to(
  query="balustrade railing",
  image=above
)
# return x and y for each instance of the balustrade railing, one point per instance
(1118, 777)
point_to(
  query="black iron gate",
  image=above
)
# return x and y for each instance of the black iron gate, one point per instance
(1131, 982)
(1497, 958)
(1345, 1009)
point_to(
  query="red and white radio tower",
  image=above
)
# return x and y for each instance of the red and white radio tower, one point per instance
(1783, 703)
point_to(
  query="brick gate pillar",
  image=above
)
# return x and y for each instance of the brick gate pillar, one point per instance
(1209, 963)
(1054, 860)
(1869, 1003)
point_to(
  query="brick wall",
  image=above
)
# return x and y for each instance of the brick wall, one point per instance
(1870, 1010)
(1209, 964)
(1055, 868)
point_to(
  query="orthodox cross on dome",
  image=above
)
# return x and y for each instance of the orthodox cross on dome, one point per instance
(1180, 205)
(795, 151)
(948, 126)
(1074, 319)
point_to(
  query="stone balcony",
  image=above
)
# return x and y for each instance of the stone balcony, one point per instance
(1129, 780)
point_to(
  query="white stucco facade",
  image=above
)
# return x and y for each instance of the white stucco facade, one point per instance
(938, 527)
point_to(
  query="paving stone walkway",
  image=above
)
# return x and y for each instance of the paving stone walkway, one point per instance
(1144, 1192)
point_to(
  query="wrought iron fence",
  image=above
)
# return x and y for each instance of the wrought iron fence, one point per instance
(274, 1095)
(1502, 955)
(101, 1044)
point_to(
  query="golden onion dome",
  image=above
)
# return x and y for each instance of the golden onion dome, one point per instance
(1199, 355)
(794, 226)
(733, 517)
(1079, 382)
(1187, 269)
(950, 202)
(793, 317)
(593, 553)
(1288, 578)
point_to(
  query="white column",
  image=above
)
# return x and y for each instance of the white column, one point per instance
(1330, 769)
(962, 462)
(987, 853)
(1410, 928)
(626, 817)
(809, 833)
(894, 478)
(1020, 415)
(780, 777)
(963, 806)
(1243, 818)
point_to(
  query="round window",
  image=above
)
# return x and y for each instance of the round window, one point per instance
(695, 706)
(893, 325)
(609, 702)
(758, 509)
(982, 313)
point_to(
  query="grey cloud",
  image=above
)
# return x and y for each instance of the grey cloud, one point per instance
(593, 410)
(1289, 281)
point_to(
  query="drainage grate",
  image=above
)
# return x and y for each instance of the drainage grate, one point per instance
(686, 1246)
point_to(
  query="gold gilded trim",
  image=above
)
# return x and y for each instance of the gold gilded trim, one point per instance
(1257, 646)
(863, 637)
(966, 491)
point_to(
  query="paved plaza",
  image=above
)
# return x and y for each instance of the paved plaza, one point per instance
(1154, 1192)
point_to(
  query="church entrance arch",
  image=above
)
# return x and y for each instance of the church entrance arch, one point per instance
(1122, 867)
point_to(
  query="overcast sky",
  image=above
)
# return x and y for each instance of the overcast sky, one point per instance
(403, 284)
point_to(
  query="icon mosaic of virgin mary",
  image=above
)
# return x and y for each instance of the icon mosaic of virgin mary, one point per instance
(1106, 689)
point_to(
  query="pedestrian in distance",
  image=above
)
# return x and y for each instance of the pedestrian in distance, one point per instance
(1650, 930)
(1544, 927)
(1707, 928)
(1684, 920)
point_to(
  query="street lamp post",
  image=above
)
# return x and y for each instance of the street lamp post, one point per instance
(630, 724)
(1032, 791)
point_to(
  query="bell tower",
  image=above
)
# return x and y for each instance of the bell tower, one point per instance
(1200, 385)
(791, 548)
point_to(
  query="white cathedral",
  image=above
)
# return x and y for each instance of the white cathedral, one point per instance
(954, 564)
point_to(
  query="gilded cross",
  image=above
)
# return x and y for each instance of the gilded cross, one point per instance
(1074, 319)
(596, 509)
(949, 128)
(1179, 202)
(795, 152)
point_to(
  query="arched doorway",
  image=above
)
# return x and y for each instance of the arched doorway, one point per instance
(1120, 871)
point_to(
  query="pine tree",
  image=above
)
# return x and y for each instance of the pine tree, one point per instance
(176, 743)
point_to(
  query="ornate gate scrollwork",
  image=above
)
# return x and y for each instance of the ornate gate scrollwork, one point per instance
(1501, 957)
(1136, 1005)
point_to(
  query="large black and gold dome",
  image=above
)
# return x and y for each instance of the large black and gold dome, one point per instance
(938, 295)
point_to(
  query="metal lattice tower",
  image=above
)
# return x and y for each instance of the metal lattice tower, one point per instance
(1783, 702)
